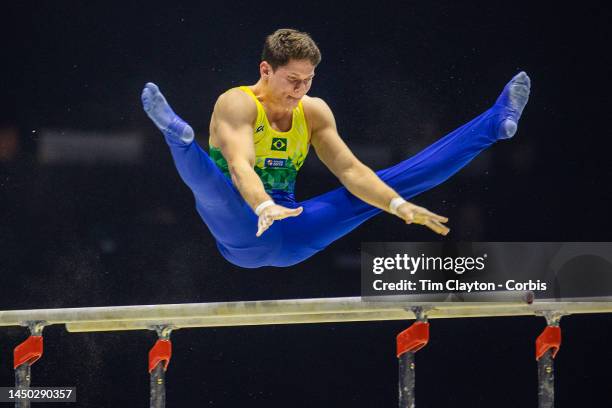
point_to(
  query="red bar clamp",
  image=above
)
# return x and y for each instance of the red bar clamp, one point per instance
(549, 339)
(28, 352)
(413, 338)
(161, 352)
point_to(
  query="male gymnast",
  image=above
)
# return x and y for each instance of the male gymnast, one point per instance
(259, 137)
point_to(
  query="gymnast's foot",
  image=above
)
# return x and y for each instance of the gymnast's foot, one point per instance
(157, 108)
(511, 102)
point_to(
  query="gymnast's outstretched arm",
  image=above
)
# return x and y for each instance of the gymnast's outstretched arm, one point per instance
(358, 178)
(231, 123)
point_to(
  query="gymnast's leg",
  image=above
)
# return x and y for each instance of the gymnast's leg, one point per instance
(448, 155)
(193, 164)
(334, 214)
(219, 204)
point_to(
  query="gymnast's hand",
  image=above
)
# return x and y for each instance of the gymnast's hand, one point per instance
(414, 214)
(273, 213)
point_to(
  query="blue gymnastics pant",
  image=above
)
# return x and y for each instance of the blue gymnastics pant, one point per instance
(327, 217)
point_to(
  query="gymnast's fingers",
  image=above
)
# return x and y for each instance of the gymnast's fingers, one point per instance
(261, 230)
(437, 227)
(423, 214)
(295, 212)
(436, 216)
(263, 224)
(286, 212)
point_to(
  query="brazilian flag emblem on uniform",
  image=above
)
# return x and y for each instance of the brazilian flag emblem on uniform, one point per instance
(279, 144)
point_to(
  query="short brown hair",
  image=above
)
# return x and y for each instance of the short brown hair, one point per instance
(286, 44)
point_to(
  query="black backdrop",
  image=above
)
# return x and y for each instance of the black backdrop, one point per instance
(398, 76)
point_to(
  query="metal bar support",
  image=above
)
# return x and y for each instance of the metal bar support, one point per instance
(409, 342)
(26, 354)
(159, 358)
(547, 346)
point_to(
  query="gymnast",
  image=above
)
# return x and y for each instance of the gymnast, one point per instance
(259, 138)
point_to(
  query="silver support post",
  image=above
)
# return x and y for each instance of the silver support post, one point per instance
(407, 368)
(23, 373)
(157, 373)
(546, 365)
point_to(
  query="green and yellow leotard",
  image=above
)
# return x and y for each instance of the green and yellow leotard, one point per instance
(278, 155)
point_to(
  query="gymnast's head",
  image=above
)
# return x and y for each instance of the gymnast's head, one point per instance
(288, 63)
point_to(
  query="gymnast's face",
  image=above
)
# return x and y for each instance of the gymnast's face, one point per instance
(289, 83)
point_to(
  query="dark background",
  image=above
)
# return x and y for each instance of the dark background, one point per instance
(398, 76)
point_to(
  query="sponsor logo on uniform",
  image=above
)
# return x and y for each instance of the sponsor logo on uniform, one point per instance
(279, 144)
(259, 129)
(275, 162)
